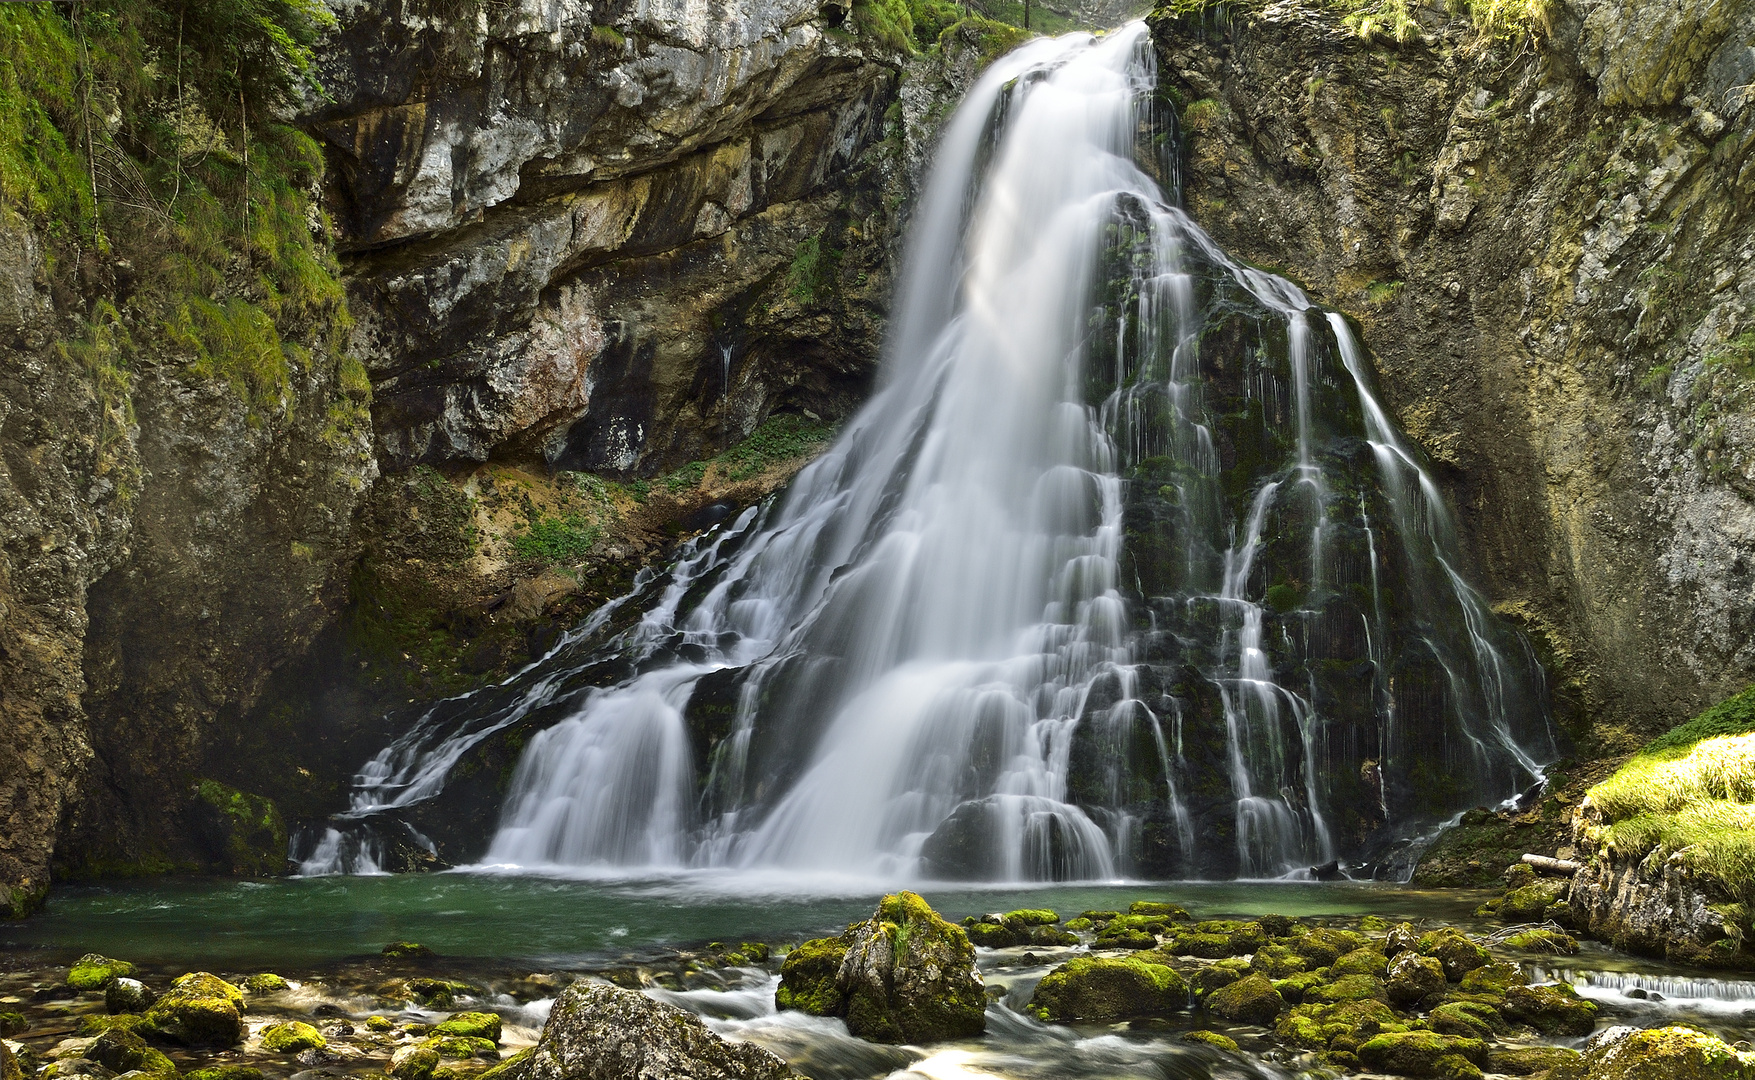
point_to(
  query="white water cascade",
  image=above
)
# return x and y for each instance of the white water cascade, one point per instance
(1122, 571)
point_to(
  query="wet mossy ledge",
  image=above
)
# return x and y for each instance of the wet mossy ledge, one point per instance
(1342, 995)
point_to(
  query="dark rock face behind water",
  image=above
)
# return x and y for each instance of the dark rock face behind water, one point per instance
(1543, 246)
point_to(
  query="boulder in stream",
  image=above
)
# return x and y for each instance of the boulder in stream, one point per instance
(94, 972)
(1106, 989)
(600, 1032)
(909, 976)
(1669, 1053)
(122, 1051)
(1415, 979)
(199, 1010)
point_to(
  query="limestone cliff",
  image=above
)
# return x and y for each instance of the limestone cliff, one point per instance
(1546, 244)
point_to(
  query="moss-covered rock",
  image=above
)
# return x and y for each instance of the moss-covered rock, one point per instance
(225, 1072)
(1543, 939)
(94, 972)
(439, 993)
(125, 995)
(1251, 1000)
(265, 982)
(199, 1010)
(809, 977)
(1349, 988)
(515, 1067)
(463, 1047)
(1413, 979)
(1669, 1053)
(910, 976)
(1494, 978)
(292, 1037)
(241, 833)
(10, 1069)
(1158, 909)
(1401, 938)
(1106, 989)
(92, 1025)
(1526, 1060)
(1278, 961)
(1419, 1053)
(1211, 1038)
(1315, 1026)
(1531, 902)
(406, 950)
(413, 1063)
(1366, 961)
(1219, 974)
(12, 1023)
(477, 1025)
(1551, 1010)
(1205, 946)
(1026, 926)
(120, 1051)
(1325, 944)
(1453, 949)
(1294, 987)
(1469, 1019)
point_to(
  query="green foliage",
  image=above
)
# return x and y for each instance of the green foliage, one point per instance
(780, 438)
(931, 18)
(889, 22)
(1737, 354)
(236, 341)
(41, 171)
(810, 275)
(990, 38)
(608, 35)
(1734, 715)
(687, 477)
(567, 539)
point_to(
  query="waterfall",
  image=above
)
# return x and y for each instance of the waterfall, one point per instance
(1123, 571)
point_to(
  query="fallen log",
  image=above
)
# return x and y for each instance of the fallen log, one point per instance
(1563, 867)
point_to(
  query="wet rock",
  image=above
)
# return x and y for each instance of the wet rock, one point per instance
(291, 1038)
(124, 995)
(1469, 1019)
(1551, 1010)
(1219, 974)
(1349, 988)
(810, 977)
(1294, 987)
(516, 1067)
(463, 1047)
(1324, 945)
(1532, 902)
(909, 976)
(91, 1025)
(1414, 979)
(1420, 1053)
(1251, 1000)
(1023, 927)
(1211, 1038)
(1453, 949)
(94, 972)
(1544, 940)
(12, 1023)
(1494, 978)
(1194, 943)
(225, 1072)
(9, 1067)
(440, 993)
(599, 1032)
(1159, 910)
(76, 1066)
(123, 1051)
(1366, 961)
(1277, 961)
(264, 983)
(199, 1010)
(1668, 1053)
(1526, 1060)
(1106, 989)
(407, 950)
(1315, 1026)
(477, 1025)
(413, 1063)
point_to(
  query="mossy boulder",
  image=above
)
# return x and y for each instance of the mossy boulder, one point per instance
(407, 950)
(199, 1009)
(477, 1025)
(413, 1063)
(1159, 910)
(225, 1072)
(1532, 902)
(379, 1024)
(1205, 946)
(810, 977)
(463, 1047)
(292, 1037)
(1669, 1053)
(599, 1032)
(1278, 961)
(1401, 938)
(1551, 1010)
(1453, 949)
(1349, 988)
(1315, 1026)
(1494, 978)
(1294, 987)
(1026, 926)
(265, 982)
(1104, 989)
(1251, 1000)
(240, 833)
(125, 995)
(1470, 1019)
(1420, 1053)
(1413, 979)
(1211, 1038)
(94, 972)
(1219, 974)
(92, 1025)
(1325, 944)
(10, 1069)
(515, 1067)
(1527, 1060)
(120, 1051)
(12, 1023)
(909, 976)
(1366, 961)
(439, 993)
(1544, 940)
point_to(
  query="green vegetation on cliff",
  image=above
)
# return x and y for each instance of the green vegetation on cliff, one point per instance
(1691, 792)
(141, 139)
(1394, 20)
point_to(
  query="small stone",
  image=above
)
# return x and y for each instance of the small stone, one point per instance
(291, 1038)
(1211, 1038)
(478, 1025)
(124, 995)
(1453, 949)
(94, 972)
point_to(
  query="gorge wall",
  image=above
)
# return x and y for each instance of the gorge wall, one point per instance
(1547, 248)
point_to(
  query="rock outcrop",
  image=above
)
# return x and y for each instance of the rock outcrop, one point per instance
(1544, 244)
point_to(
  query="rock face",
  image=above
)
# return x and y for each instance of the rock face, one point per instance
(1658, 907)
(612, 240)
(601, 1032)
(1671, 1053)
(1544, 247)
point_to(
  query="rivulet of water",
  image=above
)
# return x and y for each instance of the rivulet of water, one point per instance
(1123, 572)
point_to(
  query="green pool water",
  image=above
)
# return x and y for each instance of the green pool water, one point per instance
(316, 921)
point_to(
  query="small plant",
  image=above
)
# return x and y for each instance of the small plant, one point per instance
(566, 539)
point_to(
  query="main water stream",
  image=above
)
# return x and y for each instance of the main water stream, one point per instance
(1123, 572)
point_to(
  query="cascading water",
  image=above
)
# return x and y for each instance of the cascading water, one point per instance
(1123, 571)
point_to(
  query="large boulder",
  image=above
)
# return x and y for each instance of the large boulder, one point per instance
(1453, 949)
(601, 1032)
(1106, 989)
(810, 977)
(1248, 1001)
(1414, 979)
(199, 1010)
(1551, 1010)
(1420, 1053)
(121, 1051)
(1670, 1053)
(909, 976)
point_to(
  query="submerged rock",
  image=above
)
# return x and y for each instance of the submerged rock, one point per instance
(199, 1010)
(1103, 989)
(599, 1032)
(1669, 1053)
